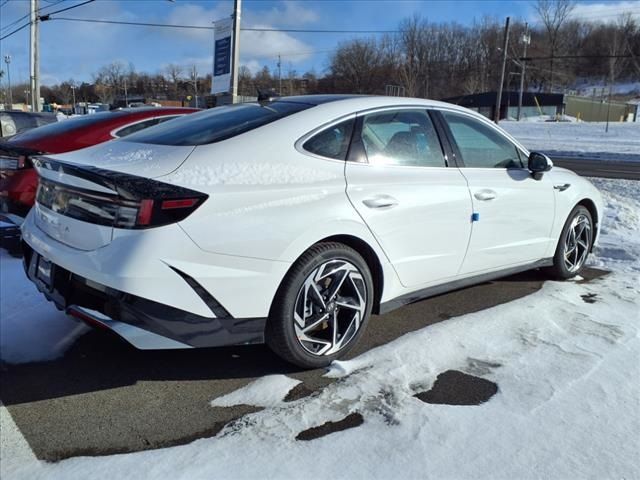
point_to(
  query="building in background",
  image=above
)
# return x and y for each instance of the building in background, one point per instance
(551, 105)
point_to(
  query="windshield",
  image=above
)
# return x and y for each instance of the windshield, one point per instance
(216, 124)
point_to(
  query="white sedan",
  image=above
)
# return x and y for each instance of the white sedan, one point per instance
(292, 220)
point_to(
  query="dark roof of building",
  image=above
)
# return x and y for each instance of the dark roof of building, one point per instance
(316, 99)
(488, 99)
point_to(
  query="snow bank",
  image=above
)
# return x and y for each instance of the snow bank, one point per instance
(622, 138)
(268, 391)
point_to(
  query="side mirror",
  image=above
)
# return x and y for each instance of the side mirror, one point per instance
(538, 164)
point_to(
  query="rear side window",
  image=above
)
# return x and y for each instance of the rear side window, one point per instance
(402, 137)
(216, 124)
(332, 142)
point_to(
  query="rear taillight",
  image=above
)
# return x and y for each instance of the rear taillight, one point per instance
(112, 210)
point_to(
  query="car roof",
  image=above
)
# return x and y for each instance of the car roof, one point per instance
(364, 102)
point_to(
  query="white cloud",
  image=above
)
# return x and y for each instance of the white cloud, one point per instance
(606, 11)
(289, 13)
(270, 44)
(253, 45)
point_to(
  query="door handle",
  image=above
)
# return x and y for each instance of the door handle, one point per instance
(562, 187)
(380, 201)
(485, 195)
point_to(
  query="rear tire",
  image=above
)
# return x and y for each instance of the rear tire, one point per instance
(322, 306)
(574, 245)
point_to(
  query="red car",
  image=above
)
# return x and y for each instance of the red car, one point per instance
(18, 179)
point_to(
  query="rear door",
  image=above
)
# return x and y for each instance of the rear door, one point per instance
(513, 212)
(417, 207)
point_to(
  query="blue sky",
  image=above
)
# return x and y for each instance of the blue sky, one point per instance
(76, 50)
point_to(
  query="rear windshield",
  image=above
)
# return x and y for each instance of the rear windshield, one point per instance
(65, 126)
(216, 124)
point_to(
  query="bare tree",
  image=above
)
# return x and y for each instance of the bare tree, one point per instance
(173, 73)
(553, 14)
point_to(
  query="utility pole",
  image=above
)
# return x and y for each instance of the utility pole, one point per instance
(279, 76)
(504, 66)
(126, 97)
(608, 109)
(73, 91)
(7, 60)
(526, 39)
(237, 8)
(34, 56)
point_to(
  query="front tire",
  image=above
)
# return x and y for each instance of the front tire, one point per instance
(322, 307)
(574, 245)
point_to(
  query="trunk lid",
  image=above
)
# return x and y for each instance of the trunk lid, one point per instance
(132, 158)
(80, 205)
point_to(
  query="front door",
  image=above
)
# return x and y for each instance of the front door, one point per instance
(418, 208)
(513, 212)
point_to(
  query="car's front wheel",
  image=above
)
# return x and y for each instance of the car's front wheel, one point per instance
(322, 307)
(575, 244)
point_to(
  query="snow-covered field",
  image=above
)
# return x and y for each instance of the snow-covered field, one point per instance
(622, 138)
(566, 361)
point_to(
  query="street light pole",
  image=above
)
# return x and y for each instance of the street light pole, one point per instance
(237, 9)
(194, 74)
(504, 66)
(126, 97)
(34, 57)
(7, 60)
(526, 39)
(280, 76)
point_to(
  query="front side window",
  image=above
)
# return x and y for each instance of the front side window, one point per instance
(401, 137)
(480, 145)
(332, 142)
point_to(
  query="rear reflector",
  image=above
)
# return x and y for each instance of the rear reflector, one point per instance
(182, 203)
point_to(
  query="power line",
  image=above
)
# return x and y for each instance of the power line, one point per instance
(68, 8)
(561, 57)
(201, 27)
(25, 16)
(16, 31)
(46, 17)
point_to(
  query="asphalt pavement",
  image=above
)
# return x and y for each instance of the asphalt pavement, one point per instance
(597, 166)
(104, 396)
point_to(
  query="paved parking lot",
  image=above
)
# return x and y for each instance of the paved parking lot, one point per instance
(105, 396)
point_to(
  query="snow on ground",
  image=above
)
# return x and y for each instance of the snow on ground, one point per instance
(622, 138)
(568, 404)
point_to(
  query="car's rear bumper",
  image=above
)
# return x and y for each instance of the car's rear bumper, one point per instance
(144, 323)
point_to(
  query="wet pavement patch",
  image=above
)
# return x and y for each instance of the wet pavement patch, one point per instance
(589, 297)
(457, 388)
(298, 392)
(350, 421)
